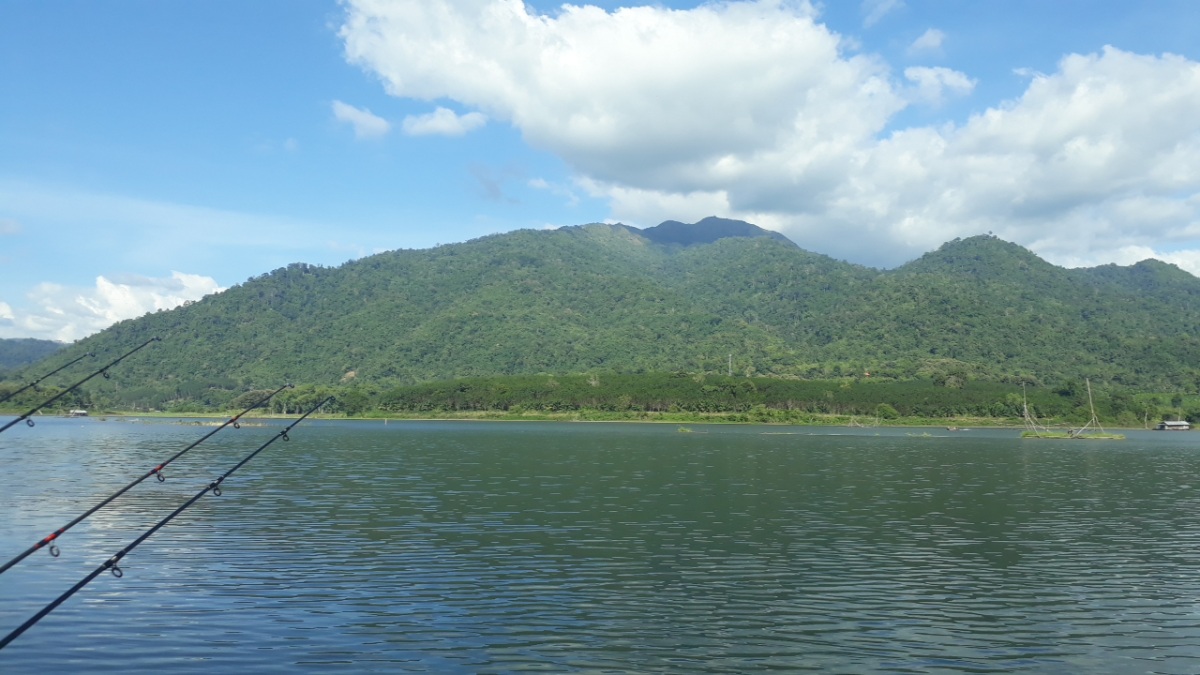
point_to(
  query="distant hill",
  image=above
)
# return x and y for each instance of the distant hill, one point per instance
(710, 297)
(18, 352)
(705, 231)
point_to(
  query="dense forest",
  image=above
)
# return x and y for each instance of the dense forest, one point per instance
(18, 352)
(710, 304)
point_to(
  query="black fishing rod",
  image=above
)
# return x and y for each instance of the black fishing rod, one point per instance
(156, 471)
(102, 371)
(35, 382)
(111, 563)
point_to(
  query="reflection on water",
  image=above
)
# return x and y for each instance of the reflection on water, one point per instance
(501, 547)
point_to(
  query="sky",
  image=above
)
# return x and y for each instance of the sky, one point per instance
(152, 152)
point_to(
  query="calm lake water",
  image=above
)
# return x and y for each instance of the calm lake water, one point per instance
(506, 547)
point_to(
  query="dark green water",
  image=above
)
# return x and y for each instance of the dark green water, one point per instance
(509, 547)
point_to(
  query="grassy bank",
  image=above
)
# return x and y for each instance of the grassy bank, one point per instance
(769, 417)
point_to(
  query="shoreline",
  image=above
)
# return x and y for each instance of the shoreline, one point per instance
(808, 420)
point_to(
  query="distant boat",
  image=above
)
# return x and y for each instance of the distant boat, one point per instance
(1173, 425)
(1035, 430)
(77, 413)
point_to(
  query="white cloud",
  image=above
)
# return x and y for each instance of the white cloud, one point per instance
(9, 226)
(1083, 160)
(1187, 260)
(785, 127)
(646, 207)
(874, 10)
(639, 95)
(366, 125)
(68, 314)
(932, 84)
(930, 41)
(443, 122)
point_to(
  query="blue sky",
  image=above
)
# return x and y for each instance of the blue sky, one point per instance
(152, 152)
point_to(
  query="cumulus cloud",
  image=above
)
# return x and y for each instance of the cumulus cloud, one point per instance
(639, 95)
(930, 41)
(756, 110)
(1081, 162)
(932, 84)
(69, 313)
(443, 122)
(1187, 260)
(365, 124)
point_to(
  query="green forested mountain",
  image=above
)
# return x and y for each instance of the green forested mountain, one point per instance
(707, 298)
(17, 352)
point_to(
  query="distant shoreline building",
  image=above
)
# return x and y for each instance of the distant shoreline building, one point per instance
(1173, 425)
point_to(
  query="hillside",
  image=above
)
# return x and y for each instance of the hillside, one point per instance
(18, 352)
(611, 298)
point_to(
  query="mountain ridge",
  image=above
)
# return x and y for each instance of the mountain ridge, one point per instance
(18, 352)
(707, 231)
(608, 298)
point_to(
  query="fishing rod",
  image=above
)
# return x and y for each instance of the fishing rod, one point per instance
(35, 382)
(156, 472)
(111, 563)
(102, 371)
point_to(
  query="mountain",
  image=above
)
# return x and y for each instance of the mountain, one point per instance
(673, 298)
(984, 258)
(17, 352)
(706, 231)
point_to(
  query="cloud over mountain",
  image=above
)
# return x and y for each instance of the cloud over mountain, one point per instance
(757, 110)
(66, 313)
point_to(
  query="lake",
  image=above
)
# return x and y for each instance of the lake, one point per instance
(465, 547)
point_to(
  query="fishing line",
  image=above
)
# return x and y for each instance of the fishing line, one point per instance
(111, 563)
(102, 371)
(156, 471)
(35, 382)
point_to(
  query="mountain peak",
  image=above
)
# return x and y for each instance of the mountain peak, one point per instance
(982, 256)
(1148, 276)
(706, 231)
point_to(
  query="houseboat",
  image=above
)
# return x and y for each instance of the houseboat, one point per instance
(1169, 425)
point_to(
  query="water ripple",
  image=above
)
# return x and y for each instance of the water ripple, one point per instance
(610, 548)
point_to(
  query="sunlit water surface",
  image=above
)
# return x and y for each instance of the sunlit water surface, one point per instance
(506, 547)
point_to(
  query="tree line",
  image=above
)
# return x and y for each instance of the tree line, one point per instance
(600, 298)
(628, 395)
